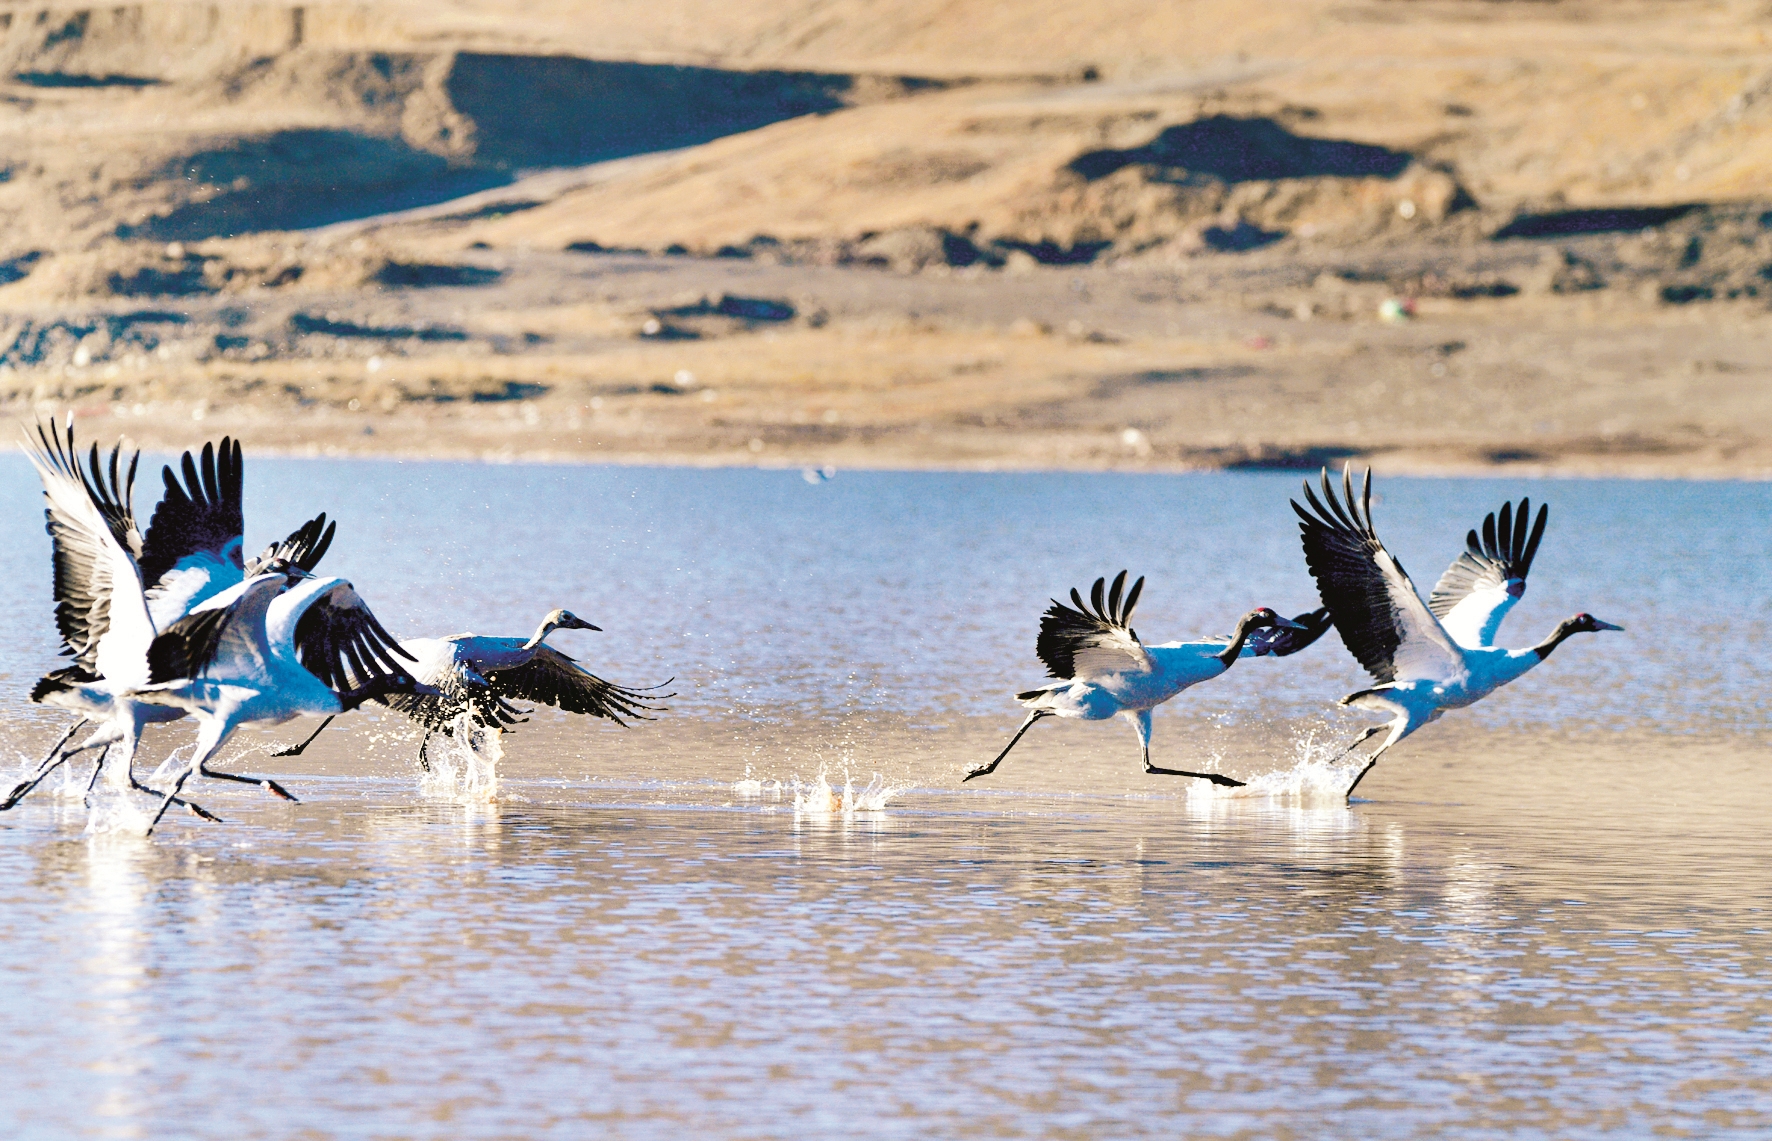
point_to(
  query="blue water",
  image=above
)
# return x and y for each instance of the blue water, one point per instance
(921, 592)
(1546, 920)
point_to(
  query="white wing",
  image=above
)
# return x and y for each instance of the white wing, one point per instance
(100, 604)
(1485, 582)
(1476, 619)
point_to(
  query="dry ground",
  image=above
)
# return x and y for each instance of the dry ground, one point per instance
(637, 358)
(906, 232)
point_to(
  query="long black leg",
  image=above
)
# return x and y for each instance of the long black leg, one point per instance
(983, 770)
(1215, 778)
(50, 760)
(424, 743)
(57, 747)
(295, 750)
(1362, 776)
(190, 806)
(24, 788)
(168, 799)
(1371, 732)
(263, 782)
(1370, 761)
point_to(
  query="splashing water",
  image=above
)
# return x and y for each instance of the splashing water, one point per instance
(167, 771)
(464, 763)
(819, 798)
(119, 811)
(113, 808)
(750, 786)
(1317, 774)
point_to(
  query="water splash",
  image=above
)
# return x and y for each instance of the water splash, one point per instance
(820, 798)
(464, 763)
(751, 787)
(114, 808)
(167, 770)
(113, 811)
(1317, 774)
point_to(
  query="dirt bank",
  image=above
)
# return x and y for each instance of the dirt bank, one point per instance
(724, 361)
(900, 233)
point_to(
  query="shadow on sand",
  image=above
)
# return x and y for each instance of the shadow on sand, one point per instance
(526, 112)
(1222, 148)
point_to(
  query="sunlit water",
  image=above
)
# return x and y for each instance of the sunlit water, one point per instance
(777, 912)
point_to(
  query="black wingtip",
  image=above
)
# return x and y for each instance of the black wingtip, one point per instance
(320, 548)
(1531, 550)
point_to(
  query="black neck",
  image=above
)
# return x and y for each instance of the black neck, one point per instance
(1564, 629)
(1237, 639)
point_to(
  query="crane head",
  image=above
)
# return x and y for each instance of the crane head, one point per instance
(567, 620)
(1265, 617)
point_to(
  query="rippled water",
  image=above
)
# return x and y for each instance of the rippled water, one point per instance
(1546, 920)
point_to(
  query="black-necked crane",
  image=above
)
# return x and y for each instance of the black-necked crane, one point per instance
(1103, 670)
(483, 675)
(1430, 656)
(278, 646)
(192, 552)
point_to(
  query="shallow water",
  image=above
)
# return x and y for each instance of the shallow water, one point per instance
(1544, 920)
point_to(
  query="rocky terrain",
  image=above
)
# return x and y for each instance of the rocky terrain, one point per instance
(1435, 234)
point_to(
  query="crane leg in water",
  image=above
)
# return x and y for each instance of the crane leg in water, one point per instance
(210, 735)
(24, 788)
(296, 750)
(985, 770)
(52, 763)
(1141, 721)
(190, 806)
(1215, 778)
(265, 783)
(1399, 729)
(1370, 761)
(1361, 740)
(54, 758)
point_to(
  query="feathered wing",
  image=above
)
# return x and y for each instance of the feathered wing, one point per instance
(1376, 608)
(1484, 582)
(1281, 642)
(57, 681)
(553, 678)
(1095, 639)
(340, 642)
(186, 647)
(101, 609)
(201, 519)
(192, 549)
(305, 546)
(456, 694)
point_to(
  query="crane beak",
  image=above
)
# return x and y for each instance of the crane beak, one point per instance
(1286, 624)
(1599, 625)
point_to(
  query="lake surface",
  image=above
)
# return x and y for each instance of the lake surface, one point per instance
(1545, 917)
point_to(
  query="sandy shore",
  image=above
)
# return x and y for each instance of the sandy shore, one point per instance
(645, 359)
